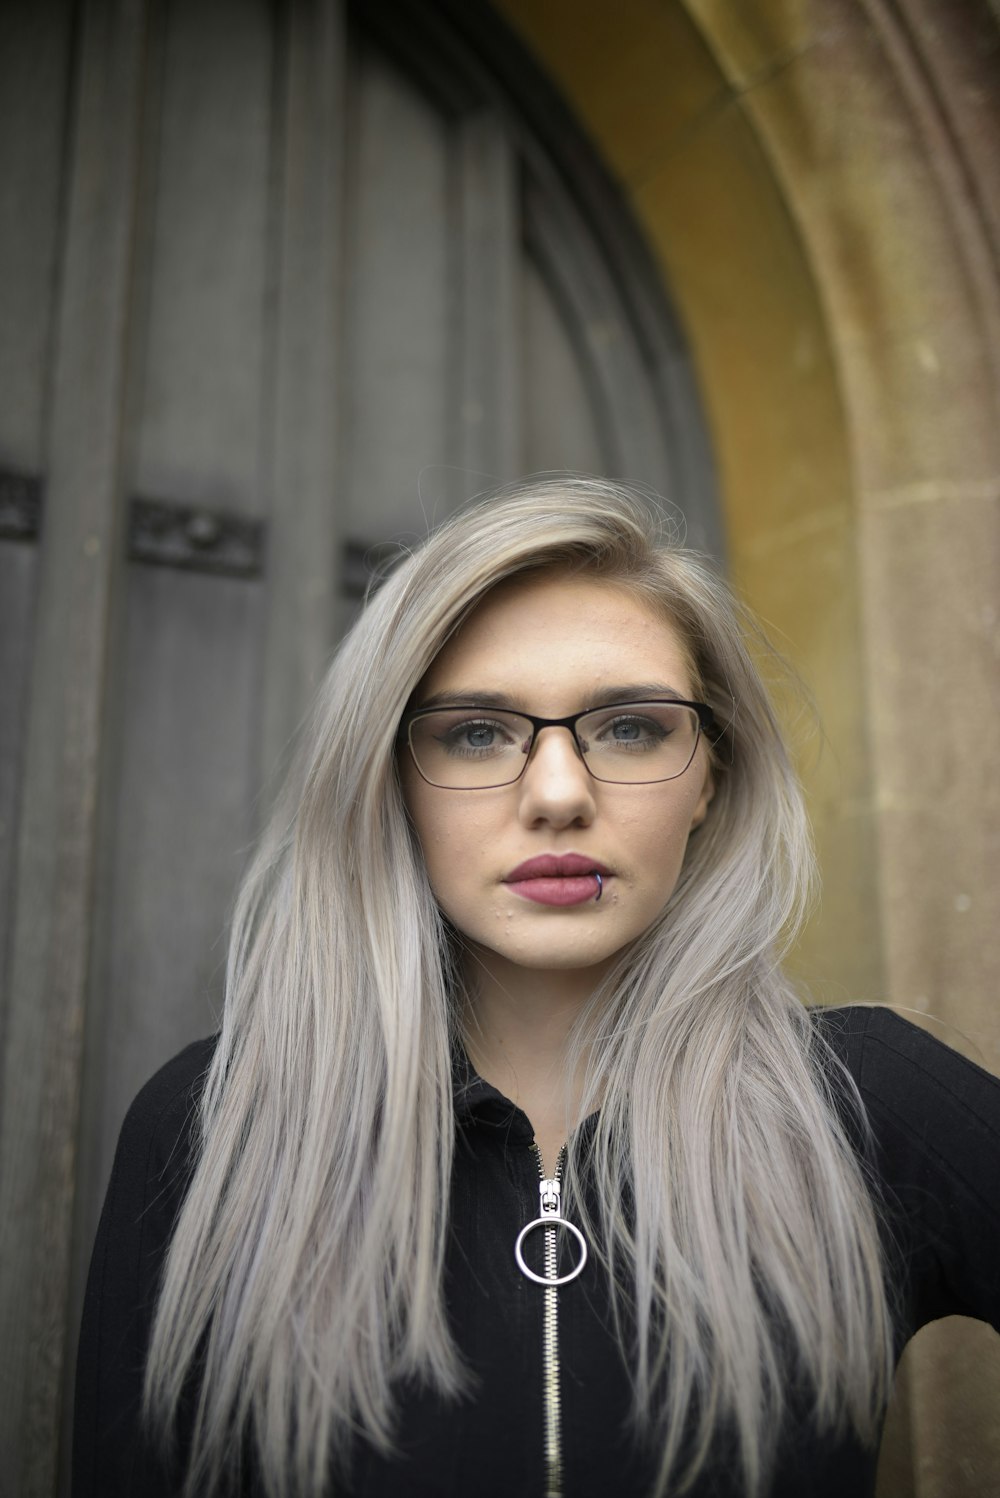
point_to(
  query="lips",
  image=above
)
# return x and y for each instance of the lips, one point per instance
(556, 866)
(558, 878)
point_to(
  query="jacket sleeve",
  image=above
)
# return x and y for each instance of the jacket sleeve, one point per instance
(112, 1456)
(935, 1121)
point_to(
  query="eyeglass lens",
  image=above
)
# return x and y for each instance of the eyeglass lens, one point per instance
(629, 743)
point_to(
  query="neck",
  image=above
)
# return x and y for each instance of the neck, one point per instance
(516, 1030)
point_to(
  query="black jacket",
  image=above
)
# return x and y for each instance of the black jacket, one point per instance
(936, 1122)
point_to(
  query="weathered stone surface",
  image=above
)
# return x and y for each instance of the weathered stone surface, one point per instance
(947, 1382)
(809, 574)
(828, 218)
(751, 41)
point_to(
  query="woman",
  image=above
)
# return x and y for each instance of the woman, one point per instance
(517, 1163)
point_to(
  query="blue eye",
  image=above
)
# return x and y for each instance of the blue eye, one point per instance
(480, 735)
(476, 738)
(632, 732)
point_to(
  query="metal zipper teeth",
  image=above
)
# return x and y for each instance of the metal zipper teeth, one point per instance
(551, 1389)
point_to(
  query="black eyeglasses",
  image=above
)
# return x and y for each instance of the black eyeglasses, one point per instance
(469, 748)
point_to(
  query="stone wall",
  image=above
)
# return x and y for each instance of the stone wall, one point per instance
(821, 182)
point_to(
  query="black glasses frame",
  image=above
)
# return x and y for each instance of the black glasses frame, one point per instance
(706, 726)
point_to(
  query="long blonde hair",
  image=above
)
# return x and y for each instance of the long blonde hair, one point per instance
(304, 1278)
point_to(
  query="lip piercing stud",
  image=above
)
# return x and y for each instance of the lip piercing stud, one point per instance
(600, 887)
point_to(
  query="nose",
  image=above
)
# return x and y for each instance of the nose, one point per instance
(556, 786)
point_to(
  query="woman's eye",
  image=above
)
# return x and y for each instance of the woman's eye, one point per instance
(632, 732)
(476, 736)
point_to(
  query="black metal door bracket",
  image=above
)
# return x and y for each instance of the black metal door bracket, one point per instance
(20, 506)
(163, 533)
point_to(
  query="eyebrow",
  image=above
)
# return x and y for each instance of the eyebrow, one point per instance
(645, 691)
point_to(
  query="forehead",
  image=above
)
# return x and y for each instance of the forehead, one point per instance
(562, 636)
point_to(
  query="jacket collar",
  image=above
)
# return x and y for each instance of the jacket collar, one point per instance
(477, 1101)
(476, 1098)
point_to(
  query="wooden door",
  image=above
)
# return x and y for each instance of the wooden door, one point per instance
(284, 284)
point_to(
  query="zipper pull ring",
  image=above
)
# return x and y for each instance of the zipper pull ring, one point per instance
(550, 1207)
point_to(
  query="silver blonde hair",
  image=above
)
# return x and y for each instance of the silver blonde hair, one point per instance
(304, 1280)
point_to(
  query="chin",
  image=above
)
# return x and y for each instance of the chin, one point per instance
(570, 960)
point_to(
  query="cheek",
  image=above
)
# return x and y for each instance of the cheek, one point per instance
(656, 841)
(450, 840)
(660, 832)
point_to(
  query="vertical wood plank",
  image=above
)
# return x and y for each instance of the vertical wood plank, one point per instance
(34, 55)
(199, 395)
(34, 59)
(41, 1063)
(399, 344)
(488, 416)
(179, 769)
(180, 760)
(18, 577)
(578, 279)
(560, 415)
(301, 469)
(185, 778)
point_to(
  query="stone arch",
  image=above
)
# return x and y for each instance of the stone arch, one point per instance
(820, 183)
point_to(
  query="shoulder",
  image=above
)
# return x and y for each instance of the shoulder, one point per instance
(155, 1154)
(887, 1054)
(934, 1118)
(934, 1114)
(162, 1115)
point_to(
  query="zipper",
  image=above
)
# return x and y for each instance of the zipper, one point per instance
(550, 1192)
(550, 1219)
